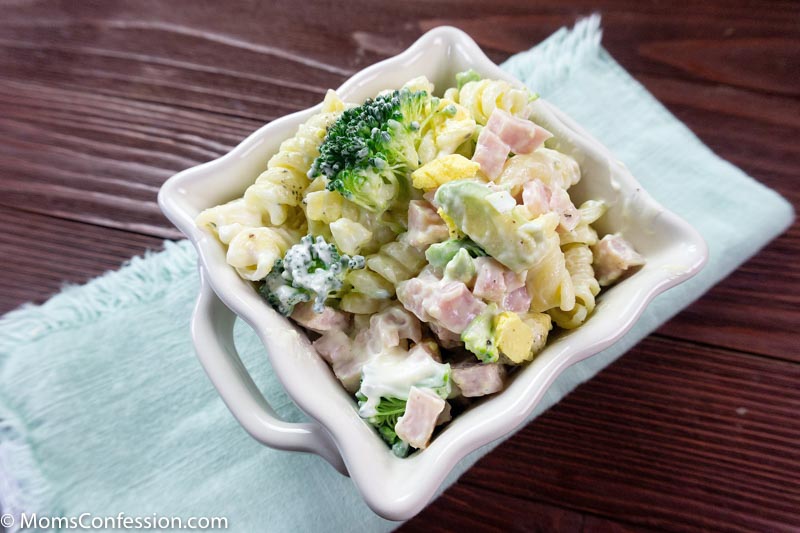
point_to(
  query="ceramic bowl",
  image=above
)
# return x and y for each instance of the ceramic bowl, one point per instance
(393, 487)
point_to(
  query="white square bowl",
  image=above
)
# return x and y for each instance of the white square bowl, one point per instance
(393, 487)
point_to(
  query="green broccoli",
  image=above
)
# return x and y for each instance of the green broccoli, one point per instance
(389, 411)
(369, 152)
(440, 254)
(310, 268)
(462, 78)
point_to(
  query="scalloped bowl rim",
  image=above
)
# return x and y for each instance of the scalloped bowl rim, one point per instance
(399, 488)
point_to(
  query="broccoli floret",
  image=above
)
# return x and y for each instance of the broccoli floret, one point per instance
(311, 268)
(369, 152)
(389, 411)
(440, 254)
(462, 78)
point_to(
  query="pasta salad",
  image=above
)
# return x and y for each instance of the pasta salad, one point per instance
(427, 243)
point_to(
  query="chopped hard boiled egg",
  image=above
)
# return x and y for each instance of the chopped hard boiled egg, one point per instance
(514, 337)
(447, 168)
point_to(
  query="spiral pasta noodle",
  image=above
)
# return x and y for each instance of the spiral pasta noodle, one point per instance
(279, 189)
(484, 96)
(393, 263)
(578, 260)
(549, 282)
(253, 252)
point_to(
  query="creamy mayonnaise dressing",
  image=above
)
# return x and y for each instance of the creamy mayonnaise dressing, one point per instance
(394, 371)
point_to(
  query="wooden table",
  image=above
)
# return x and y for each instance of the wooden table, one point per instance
(696, 428)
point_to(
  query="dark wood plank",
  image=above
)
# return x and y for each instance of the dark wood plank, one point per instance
(41, 253)
(593, 524)
(672, 436)
(492, 511)
(101, 159)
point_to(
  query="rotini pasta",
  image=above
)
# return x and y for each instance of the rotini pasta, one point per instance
(549, 283)
(279, 189)
(227, 220)
(578, 259)
(552, 168)
(254, 251)
(584, 233)
(412, 217)
(484, 96)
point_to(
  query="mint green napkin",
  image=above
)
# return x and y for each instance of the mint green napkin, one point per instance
(104, 409)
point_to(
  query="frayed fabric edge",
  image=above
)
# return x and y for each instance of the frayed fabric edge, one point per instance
(22, 486)
(144, 279)
(555, 57)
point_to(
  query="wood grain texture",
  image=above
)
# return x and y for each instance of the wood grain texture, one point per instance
(695, 429)
(42, 253)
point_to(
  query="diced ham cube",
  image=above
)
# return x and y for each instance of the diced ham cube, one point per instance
(518, 300)
(541, 199)
(567, 212)
(429, 347)
(390, 326)
(536, 197)
(522, 136)
(490, 283)
(414, 292)
(445, 415)
(422, 412)
(446, 303)
(337, 349)
(447, 339)
(490, 153)
(454, 307)
(327, 320)
(514, 280)
(425, 226)
(613, 257)
(478, 379)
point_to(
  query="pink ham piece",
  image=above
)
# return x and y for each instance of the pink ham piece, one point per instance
(422, 412)
(429, 347)
(389, 327)
(478, 379)
(445, 415)
(446, 303)
(447, 339)
(490, 283)
(613, 257)
(514, 280)
(327, 320)
(522, 136)
(567, 212)
(540, 199)
(518, 300)
(456, 306)
(496, 283)
(490, 153)
(536, 197)
(425, 226)
(502, 134)
(337, 349)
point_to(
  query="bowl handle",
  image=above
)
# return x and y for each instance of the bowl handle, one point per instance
(212, 334)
